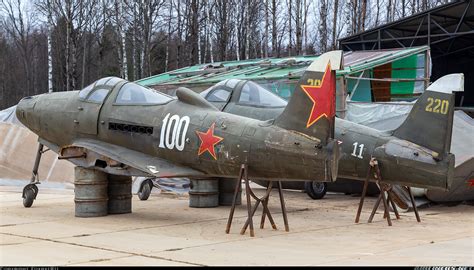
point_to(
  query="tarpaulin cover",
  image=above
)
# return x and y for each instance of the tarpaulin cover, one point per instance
(9, 116)
(381, 116)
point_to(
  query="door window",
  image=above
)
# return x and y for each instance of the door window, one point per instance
(219, 95)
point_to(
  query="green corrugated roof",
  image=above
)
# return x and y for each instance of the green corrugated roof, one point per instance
(275, 68)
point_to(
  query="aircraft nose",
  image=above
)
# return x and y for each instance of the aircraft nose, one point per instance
(25, 111)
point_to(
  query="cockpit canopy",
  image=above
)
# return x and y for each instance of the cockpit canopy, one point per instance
(250, 94)
(132, 93)
(129, 93)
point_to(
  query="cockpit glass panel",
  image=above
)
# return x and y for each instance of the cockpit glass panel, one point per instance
(84, 92)
(219, 95)
(103, 81)
(254, 94)
(232, 83)
(221, 82)
(98, 95)
(132, 93)
(205, 92)
(114, 81)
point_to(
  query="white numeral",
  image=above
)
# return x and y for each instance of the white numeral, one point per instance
(180, 143)
(361, 149)
(173, 132)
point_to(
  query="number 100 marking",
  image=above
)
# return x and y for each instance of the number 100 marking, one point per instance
(173, 133)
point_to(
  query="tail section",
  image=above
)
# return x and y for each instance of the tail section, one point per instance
(430, 121)
(311, 109)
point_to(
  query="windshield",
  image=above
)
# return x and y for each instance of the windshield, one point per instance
(132, 93)
(84, 92)
(205, 92)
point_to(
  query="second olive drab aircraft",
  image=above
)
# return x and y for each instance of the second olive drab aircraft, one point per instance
(415, 154)
(122, 128)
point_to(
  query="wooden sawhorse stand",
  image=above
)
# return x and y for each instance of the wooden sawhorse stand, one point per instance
(383, 187)
(251, 211)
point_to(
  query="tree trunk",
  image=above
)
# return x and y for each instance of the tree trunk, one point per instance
(290, 15)
(389, 10)
(378, 13)
(334, 24)
(50, 57)
(323, 26)
(124, 69)
(180, 33)
(247, 32)
(68, 42)
(237, 49)
(168, 41)
(305, 27)
(209, 26)
(355, 17)
(274, 31)
(363, 15)
(298, 27)
(224, 31)
(265, 43)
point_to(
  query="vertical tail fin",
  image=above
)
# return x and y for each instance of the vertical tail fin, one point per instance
(311, 109)
(430, 121)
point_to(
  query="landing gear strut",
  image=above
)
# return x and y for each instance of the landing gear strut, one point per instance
(30, 191)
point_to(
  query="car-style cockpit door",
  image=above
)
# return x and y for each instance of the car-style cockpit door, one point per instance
(90, 102)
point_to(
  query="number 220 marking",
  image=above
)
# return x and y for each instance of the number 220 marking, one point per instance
(440, 106)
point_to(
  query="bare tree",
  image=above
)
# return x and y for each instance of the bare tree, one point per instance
(323, 28)
(222, 29)
(121, 28)
(290, 28)
(19, 27)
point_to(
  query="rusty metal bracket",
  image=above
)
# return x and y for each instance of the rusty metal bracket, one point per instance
(83, 155)
(383, 187)
(252, 210)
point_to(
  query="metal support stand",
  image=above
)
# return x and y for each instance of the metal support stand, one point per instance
(251, 210)
(383, 187)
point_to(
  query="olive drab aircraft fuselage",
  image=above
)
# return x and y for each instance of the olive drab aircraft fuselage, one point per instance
(416, 154)
(123, 128)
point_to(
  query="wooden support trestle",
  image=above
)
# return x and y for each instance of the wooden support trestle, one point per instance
(383, 187)
(252, 210)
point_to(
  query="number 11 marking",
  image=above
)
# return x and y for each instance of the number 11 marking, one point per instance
(361, 149)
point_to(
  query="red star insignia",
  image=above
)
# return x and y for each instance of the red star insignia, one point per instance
(208, 141)
(322, 97)
(471, 182)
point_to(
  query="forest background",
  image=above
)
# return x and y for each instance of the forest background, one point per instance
(63, 45)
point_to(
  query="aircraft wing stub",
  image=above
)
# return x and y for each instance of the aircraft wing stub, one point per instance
(143, 162)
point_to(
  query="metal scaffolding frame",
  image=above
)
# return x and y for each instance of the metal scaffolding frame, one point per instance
(443, 24)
